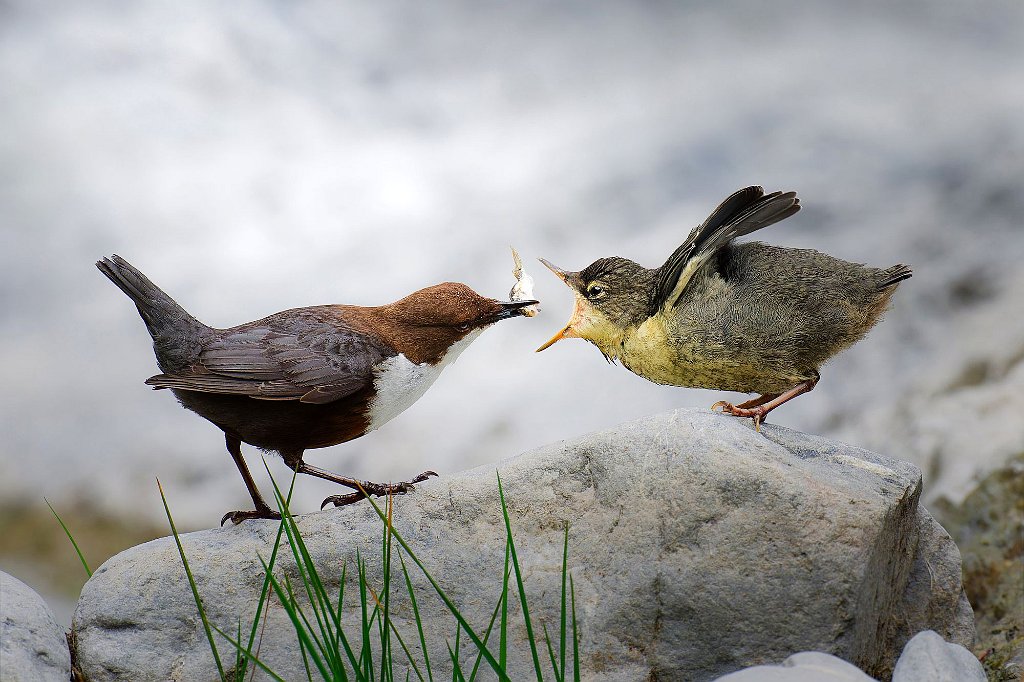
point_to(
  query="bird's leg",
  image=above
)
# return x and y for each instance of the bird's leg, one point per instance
(263, 510)
(756, 402)
(375, 489)
(759, 407)
(371, 488)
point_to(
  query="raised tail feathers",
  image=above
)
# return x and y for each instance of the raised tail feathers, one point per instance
(177, 336)
(895, 275)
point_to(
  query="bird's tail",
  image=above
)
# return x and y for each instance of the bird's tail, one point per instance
(177, 336)
(894, 275)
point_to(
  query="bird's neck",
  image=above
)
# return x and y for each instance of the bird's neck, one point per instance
(430, 344)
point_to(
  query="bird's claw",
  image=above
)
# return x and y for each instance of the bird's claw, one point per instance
(722, 406)
(755, 413)
(424, 476)
(377, 490)
(238, 516)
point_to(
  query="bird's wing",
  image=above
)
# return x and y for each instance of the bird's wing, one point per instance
(741, 213)
(320, 363)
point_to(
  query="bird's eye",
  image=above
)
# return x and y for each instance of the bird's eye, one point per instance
(595, 291)
(464, 327)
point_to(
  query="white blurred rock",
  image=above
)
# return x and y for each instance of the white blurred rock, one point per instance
(929, 658)
(32, 645)
(698, 546)
(807, 666)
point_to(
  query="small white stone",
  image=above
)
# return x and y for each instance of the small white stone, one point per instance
(927, 657)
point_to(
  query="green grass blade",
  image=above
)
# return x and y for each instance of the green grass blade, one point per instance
(563, 623)
(457, 675)
(408, 655)
(192, 584)
(320, 602)
(241, 662)
(237, 643)
(457, 668)
(366, 655)
(503, 642)
(551, 654)
(519, 584)
(301, 630)
(386, 661)
(341, 636)
(74, 544)
(575, 634)
(487, 635)
(488, 656)
(419, 620)
(293, 604)
(265, 589)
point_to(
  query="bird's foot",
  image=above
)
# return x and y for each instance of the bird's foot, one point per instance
(260, 513)
(756, 412)
(759, 407)
(377, 490)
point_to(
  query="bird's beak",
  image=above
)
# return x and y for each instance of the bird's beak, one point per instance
(563, 275)
(567, 333)
(570, 279)
(512, 308)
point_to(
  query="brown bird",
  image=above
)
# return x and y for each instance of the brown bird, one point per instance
(751, 317)
(308, 377)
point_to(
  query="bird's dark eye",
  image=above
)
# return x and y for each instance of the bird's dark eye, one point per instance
(595, 291)
(464, 327)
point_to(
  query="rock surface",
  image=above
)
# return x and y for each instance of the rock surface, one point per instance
(989, 528)
(929, 658)
(697, 547)
(807, 666)
(32, 645)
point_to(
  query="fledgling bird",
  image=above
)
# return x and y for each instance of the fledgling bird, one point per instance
(749, 317)
(308, 377)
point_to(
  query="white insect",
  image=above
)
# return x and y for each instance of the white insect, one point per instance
(523, 288)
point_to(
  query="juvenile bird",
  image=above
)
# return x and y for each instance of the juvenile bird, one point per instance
(308, 377)
(750, 317)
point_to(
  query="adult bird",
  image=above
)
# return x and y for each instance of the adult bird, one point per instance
(308, 377)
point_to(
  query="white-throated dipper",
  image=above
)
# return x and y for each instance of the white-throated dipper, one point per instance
(308, 377)
(751, 317)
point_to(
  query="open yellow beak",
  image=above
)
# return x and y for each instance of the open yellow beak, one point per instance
(568, 332)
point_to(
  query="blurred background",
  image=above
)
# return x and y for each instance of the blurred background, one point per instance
(252, 157)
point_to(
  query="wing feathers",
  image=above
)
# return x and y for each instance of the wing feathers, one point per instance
(741, 213)
(323, 362)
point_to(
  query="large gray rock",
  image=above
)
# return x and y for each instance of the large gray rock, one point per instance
(929, 658)
(697, 546)
(32, 645)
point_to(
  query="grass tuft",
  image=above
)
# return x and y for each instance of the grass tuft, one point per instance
(337, 644)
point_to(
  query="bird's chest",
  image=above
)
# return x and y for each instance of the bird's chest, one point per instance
(648, 353)
(399, 382)
(667, 354)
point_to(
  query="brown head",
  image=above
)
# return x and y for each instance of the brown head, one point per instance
(612, 295)
(427, 323)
